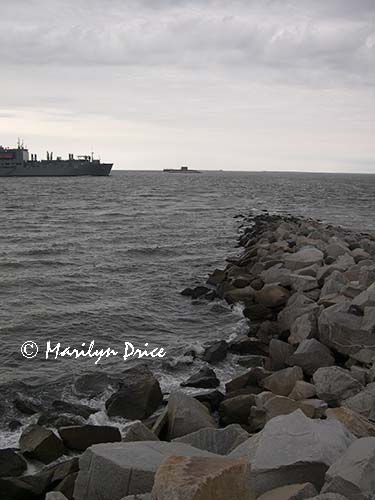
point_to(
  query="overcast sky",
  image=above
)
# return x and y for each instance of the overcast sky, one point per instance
(148, 84)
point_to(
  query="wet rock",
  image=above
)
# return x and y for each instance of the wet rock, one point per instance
(358, 425)
(219, 441)
(272, 296)
(138, 397)
(257, 312)
(27, 406)
(363, 402)
(236, 410)
(252, 361)
(293, 449)
(283, 381)
(128, 468)
(311, 355)
(53, 419)
(41, 444)
(353, 473)
(239, 294)
(11, 463)
(302, 390)
(94, 384)
(73, 408)
(290, 492)
(250, 379)
(280, 352)
(186, 415)
(210, 399)
(334, 384)
(137, 431)
(61, 470)
(14, 488)
(197, 478)
(305, 257)
(216, 277)
(195, 292)
(267, 331)
(81, 437)
(216, 352)
(205, 378)
(248, 345)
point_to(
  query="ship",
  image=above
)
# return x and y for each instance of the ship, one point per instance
(181, 170)
(17, 162)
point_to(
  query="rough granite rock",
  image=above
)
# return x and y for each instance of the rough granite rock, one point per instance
(353, 474)
(334, 384)
(219, 441)
(112, 471)
(305, 257)
(354, 422)
(41, 444)
(203, 478)
(80, 437)
(55, 495)
(290, 492)
(363, 402)
(138, 397)
(293, 449)
(311, 355)
(283, 381)
(137, 431)
(302, 390)
(298, 305)
(272, 296)
(304, 327)
(186, 415)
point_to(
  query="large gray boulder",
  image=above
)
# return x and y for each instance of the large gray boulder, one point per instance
(112, 471)
(293, 449)
(186, 415)
(311, 355)
(219, 441)
(41, 444)
(138, 397)
(353, 474)
(304, 327)
(137, 431)
(334, 384)
(305, 257)
(283, 381)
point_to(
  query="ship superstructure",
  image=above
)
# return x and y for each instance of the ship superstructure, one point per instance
(17, 162)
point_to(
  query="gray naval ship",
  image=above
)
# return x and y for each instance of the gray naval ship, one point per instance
(18, 163)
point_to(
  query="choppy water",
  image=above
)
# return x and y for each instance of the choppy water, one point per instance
(105, 259)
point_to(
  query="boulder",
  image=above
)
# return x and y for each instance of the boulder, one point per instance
(18, 488)
(138, 397)
(55, 495)
(283, 381)
(216, 277)
(281, 405)
(236, 410)
(210, 399)
(336, 248)
(298, 305)
(280, 352)
(363, 402)
(219, 441)
(303, 283)
(112, 471)
(80, 437)
(248, 345)
(216, 352)
(58, 472)
(334, 384)
(59, 406)
(304, 327)
(305, 257)
(41, 444)
(94, 384)
(358, 425)
(293, 449)
(239, 294)
(252, 361)
(353, 473)
(250, 379)
(137, 431)
(66, 486)
(272, 296)
(277, 274)
(27, 406)
(311, 355)
(367, 275)
(290, 492)
(186, 415)
(198, 478)
(329, 496)
(302, 390)
(11, 463)
(205, 378)
(334, 284)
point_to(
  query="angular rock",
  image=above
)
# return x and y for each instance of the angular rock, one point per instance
(290, 492)
(219, 441)
(211, 399)
(186, 415)
(138, 397)
(239, 294)
(281, 405)
(216, 277)
(305, 257)
(302, 390)
(198, 478)
(129, 468)
(216, 352)
(277, 274)
(353, 474)
(304, 327)
(329, 496)
(11, 463)
(334, 384)
(253, 361)
(80, 437)
(303, 283)
(73, 408)
(41, 444)
(250, 379)
(358, 425)
(283, 381)
(363, 402)
(334, 284)
(297, 306)
(248, 345)
(55, 495)
(311, 355)
(236, 410)
(280, 352)
(137, 431)
(205, 379)
(272, 296)
(293, 449)
(94, 384)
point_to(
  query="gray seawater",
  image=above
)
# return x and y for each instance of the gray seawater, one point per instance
(105, 259)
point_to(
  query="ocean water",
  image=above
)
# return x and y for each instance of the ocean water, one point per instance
(104, 259)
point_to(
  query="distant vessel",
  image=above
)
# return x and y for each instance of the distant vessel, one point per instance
(181, 170)
(17, 163)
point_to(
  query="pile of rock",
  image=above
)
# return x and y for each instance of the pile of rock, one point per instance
(297, 422)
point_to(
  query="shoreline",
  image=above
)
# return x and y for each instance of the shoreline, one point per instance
(307, 290)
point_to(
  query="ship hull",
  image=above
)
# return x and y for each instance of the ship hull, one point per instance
(56, 169)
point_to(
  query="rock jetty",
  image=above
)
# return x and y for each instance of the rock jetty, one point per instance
(296, 422)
